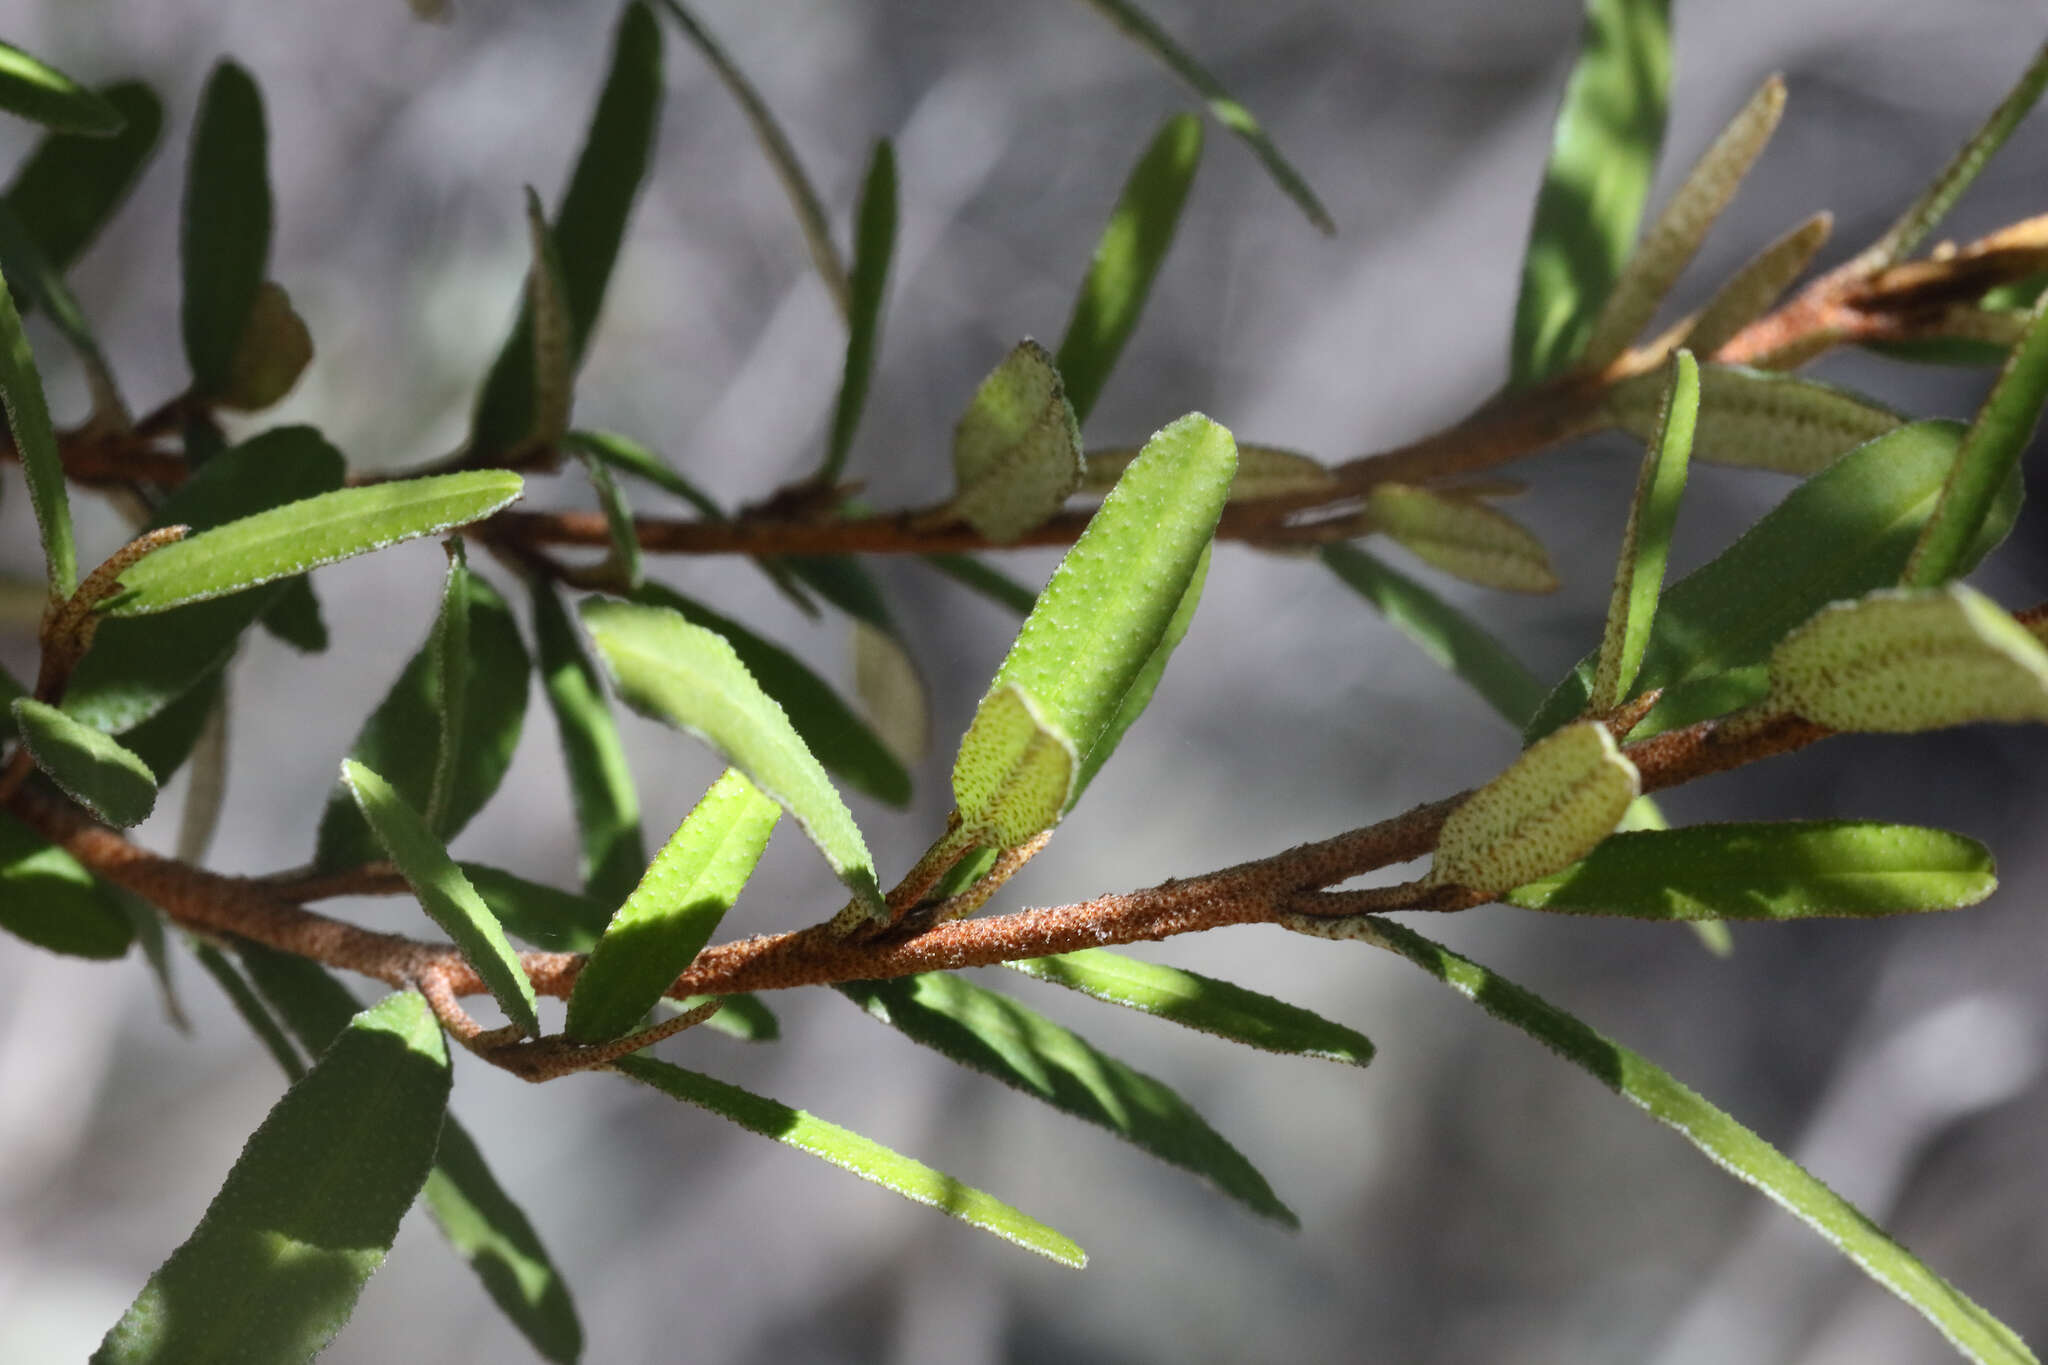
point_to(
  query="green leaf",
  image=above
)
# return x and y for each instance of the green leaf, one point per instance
(853, 1153)
(1202, 1003)
(1446, 634)
(1987, 462)
(224, 236)
(1769, 872)
(810, 211)
(689, 677)
(271, 354)
(1113, 598)
(671, 915)
(1639, 574)
(1465, 539)
(1126, 258)
(28, 417)
(1140, 28)
(995, 1035)
(845, 744)
(550, 329)
(1727, 1143)
(1755, 419)
(1749, 292)
(874, 242)
(310, 1208)
(1262, 472)
(166, 739)
(1843, 532)
(1017, 448)
(892, 690)
(250, 1006)
(1668, 247)
(402, 739)
(587, 228)
(139, 666)
(448, 661)
(444, 893)
(1925, 213)
(39, 284)
(295, 617)
(90, 765)
(48, 898)
(1603, 156)
(1139, 694)
(41, 93)
(307, 534)
(148, 928)
(1564, 794)
(633, 458)
(993, 584)
(1014, 774)
(618, 521)
(600, 779)
(71, 184)
(479, 1219)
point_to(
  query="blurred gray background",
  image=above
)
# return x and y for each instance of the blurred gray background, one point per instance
(1467, 1197)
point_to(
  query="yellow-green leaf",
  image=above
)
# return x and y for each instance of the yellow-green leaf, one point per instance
(1017, 448)
(90, 765)
(1559, 798)
(1465, 539)
(1755, 419)
(1639, 573)
(1014, 774)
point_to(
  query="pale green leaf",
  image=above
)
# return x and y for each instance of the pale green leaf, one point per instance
(1017, 448)
(892, 691)
(90, 765)
(1747, 294)
(1262, 472)
(874, 243)
(42, 94)
(1465, 539)
(1560, 797)
(224, 234)
(1639, 574)
(1755, 419)
(1139, 694)
(444, 893)
(1013, 776)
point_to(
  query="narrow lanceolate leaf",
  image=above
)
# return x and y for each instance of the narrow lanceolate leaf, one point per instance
(72, 183)
(448, 667)
(1139, 694)
(1671, 241)
(810, 210)
(224, 235)
(588, 226)
(552, 330)
(274, 350)
(48, 898)
(1734, 1148)
(874, 243)
(1446, 634)
(1000, 1038)
(41, 93)
(1639, 575)
(618, 521)
(310, 1208)
(1925, 213)
(1017, 448)
(1754, 419)
(167, 739)
(28, 418)
(91, 766)
(1603, 155)
(1262, 472)
(479, 1219)
(630, 457)
(600, 780)
(689, 677)
(1465, 539)
(1140, 28)
(844, 743)
(1751, 291)
(38, 283)
(1727, 615)
(1987, 461)
(1769, 872)
(1201, 1002)
(1093, 631)
(994, 584)
(140, 665)
(892, 692)
(1126, 258)
(1563, 795)
(305, 535)
(444, 893)
(670, 916)
(855, 1154)
(1905, 660)
(404, 738)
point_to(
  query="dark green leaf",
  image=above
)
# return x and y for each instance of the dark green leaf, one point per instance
(544, 916)
(587, 228)
(673, 912)
(224, 238)
(49, 899)
(689, 677)
(250, 1006)
(71, 184)
(844, 743)
(633, 458)
(1446, 634)
(402, 737)
(1201, 1002)
(998, 1037)
(148, 927)
(310, 1208)
(1727, 1143)
(40, 92)
(444, 893)
(618, 520)
(993, 584)
(39, 284)
(295, 617)
(90, 765)
(874, 243)
(855, 1154)
(1128, 256)
(1139, 27)
(448, 670)
(600, 779)
(1603, 156)
(28, 417)
(1639, 574)
(166, 739)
